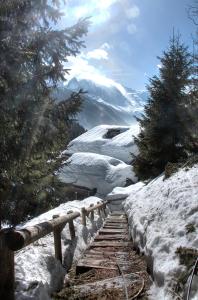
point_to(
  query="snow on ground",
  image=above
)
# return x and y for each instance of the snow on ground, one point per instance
(96, 171)
(38, 273)
(121, 146)
(158, 214)
(116, 198)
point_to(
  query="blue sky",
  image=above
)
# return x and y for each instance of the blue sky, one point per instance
(126, 36)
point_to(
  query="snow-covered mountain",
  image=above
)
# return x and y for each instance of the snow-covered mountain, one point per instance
(107, 103)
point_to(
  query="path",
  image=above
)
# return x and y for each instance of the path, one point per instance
(109, 268)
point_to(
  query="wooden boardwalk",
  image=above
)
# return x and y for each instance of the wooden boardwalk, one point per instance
(109, 268)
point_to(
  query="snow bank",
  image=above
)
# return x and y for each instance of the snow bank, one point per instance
(116, 198)
(96, 171)
(38, 273)
(158, 214)
(94, 140)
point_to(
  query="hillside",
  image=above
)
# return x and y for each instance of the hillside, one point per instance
(164, 225)
(162, 218)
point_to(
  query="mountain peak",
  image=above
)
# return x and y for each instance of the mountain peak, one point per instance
(73, 84)
(108, 103)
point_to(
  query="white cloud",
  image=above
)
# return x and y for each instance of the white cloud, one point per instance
(99, 10)
(105, 46)
(159, 66)
(100, 17)
(82, 11)
(132, 12)
(131, 28)
(104, 4)
(98, 54)
(81, 69)
(103, 15)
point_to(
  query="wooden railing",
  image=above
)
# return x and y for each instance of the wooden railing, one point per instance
(12, 240)
(90, 210)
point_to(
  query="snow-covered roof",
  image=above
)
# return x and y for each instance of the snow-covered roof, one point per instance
(98, 171)
(95, 140)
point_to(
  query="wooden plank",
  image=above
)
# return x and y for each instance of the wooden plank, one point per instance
(125, 225)
(110, 237)
(103, 251)
(113, 235)
(104, 262)
(116, 225)
(82, 268)
(107, 255)
(120, 226)
(98, 256)
(112, 231)
(96, 289)
(107, 244)
(117, 218)
(116, 221)
(117, 213)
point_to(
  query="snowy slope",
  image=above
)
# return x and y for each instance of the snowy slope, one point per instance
(38, 273)
(158, 214)
(107, 103)
(120, 146)
(93, 170)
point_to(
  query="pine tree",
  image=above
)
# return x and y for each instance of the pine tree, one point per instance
(192, 145)
(192, 108)
(33, 128)
(163, 133)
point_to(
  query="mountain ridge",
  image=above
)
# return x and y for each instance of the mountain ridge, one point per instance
(111, 104)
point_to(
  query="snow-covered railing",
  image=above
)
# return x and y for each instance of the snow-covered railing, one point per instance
(12, 240)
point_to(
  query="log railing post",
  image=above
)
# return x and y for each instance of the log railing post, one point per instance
(92, 213)
(57, 241)
(71, 226)
(99, 212)
(104, 209)
(7, 279)
(83, 214)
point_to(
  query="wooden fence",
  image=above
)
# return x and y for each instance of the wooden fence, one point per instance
(12, 240)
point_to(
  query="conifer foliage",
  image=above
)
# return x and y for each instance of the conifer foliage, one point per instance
(193, 92)
(164, 125)
(33, 128)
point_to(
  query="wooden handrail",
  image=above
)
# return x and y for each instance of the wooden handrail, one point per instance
(12, 240)
(86, 211)
(91, 208)
(17, 239)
